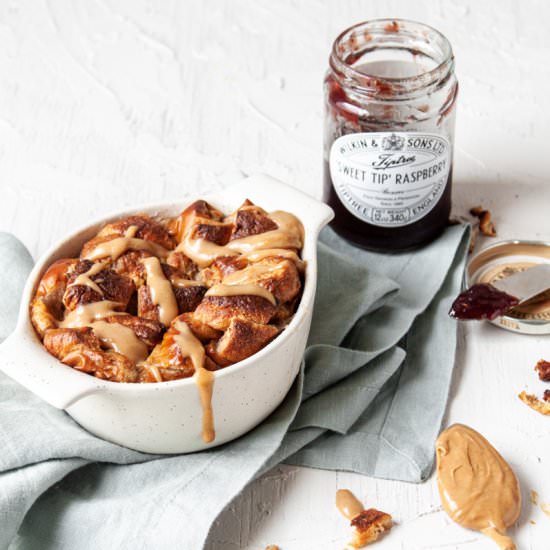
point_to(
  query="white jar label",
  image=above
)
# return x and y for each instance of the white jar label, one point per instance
(390, 178)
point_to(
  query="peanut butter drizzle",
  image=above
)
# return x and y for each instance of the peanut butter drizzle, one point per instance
(116, 247)
(120, 339)
(347, 504)
(178, 281)
(478, 489)
(85, 314)
(251, 273)
(241, 290)
(244, 282)
(191, 347)
(114, 336)
(162, 294)
(84, 279)
(259, 255)
(289, 234)
(203, 252)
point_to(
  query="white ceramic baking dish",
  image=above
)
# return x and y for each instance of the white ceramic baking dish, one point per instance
(166, 417)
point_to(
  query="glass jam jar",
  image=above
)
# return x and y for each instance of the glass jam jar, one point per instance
(390, 96)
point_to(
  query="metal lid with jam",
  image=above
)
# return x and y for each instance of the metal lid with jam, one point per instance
(505, 258)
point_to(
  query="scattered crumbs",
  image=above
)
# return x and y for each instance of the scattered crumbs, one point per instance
(545, 507)
(543, 407)
(486, 224)
(534, 497)
(543, 369)
(532, 522)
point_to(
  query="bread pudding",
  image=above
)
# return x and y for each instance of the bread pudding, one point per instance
(154, 300)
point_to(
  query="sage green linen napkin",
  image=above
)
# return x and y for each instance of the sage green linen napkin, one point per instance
(369, 398)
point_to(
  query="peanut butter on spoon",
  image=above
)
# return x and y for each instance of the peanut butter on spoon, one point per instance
(478, 489)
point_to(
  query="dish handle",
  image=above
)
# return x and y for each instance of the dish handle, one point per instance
(57, 384)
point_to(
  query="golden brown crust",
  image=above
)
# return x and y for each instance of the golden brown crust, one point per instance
(196, 212)
(47, 306)
(130, 265)
(54, 279)
(41, 316)
(282, 279)
(81, 349)
(218, 311)
(241, 340)
(369, 526)
(220, 268)
(184, 265)
(201, 330)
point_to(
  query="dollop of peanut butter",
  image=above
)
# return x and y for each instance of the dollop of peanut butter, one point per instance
(478, 489)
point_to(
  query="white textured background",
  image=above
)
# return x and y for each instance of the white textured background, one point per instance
(105, 104)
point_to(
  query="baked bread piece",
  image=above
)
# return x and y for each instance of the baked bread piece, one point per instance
(168, 361)
(102, 284)
(47, 305)
(200, 213)
(187, 293)
(111, 312)
(241, 339)
(250, 219)
(218, 311)
(81, 349)
(542, 407)
(222, 267)
(369, 526)
(146, 228)
(142, 232)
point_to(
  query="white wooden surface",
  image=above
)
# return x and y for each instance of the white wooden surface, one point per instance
(105, 104)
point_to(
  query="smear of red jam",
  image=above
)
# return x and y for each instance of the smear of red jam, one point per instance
(482, 301)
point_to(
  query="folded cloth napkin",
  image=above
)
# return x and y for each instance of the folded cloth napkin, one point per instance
(369, 398)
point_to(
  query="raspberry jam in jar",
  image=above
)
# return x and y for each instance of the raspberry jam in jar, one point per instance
(390, 96)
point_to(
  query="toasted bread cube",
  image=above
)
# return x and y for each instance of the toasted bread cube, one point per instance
(81, 349)
(241, 340)
(218, 311)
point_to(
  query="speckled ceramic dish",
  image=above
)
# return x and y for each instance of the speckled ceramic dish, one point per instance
(166, 417)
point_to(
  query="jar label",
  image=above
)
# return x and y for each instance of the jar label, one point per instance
(390, 179)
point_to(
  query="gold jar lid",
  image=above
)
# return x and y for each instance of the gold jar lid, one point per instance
(502, 259)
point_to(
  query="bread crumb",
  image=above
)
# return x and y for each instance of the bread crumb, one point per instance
(368, 526)
(486, 224)
(535, 403)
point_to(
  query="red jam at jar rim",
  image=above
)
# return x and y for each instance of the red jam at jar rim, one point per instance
(482, 301)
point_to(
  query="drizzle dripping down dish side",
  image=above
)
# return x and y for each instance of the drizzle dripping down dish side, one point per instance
(155, 300)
